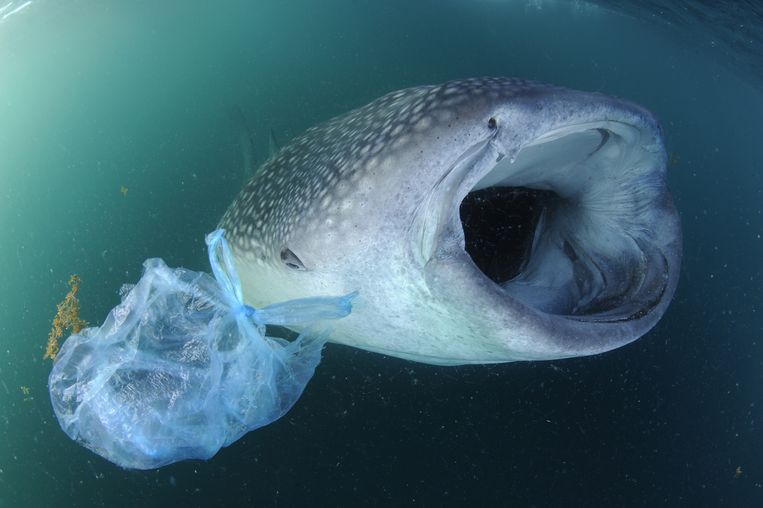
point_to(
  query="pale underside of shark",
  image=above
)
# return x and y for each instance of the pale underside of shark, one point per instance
(482, 220)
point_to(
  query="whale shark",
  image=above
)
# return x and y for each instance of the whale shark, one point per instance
(481, 220)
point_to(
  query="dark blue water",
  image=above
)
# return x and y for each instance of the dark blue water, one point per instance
(153, 98)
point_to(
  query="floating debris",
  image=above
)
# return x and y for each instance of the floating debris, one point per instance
(67, 317)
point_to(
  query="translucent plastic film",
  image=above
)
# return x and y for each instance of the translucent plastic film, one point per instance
(181, 368)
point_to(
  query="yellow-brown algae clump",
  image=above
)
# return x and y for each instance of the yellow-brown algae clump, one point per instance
(67, 317)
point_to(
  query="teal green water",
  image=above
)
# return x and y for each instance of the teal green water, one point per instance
(97, 96)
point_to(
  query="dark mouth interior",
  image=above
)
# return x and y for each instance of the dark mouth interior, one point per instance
(499, 227)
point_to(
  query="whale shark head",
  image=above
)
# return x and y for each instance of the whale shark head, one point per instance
(482, 220)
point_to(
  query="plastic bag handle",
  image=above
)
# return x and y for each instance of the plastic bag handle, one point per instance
(221, 260)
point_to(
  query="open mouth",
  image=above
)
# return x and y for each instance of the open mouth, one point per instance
(499, 228)
(572, 225)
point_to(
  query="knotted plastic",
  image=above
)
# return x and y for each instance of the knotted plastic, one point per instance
(181, 367)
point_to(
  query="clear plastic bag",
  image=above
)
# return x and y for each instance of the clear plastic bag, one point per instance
(181, 368)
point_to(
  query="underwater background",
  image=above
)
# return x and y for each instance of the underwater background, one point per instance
(126, 128)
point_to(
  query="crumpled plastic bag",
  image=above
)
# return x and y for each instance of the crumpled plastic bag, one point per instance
(181, 367)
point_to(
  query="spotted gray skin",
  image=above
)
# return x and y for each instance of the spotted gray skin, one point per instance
(369, 202)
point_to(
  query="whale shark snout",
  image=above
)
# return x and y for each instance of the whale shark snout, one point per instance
(482, 220)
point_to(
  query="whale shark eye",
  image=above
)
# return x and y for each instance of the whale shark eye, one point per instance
(492, 123)
(291, 260)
